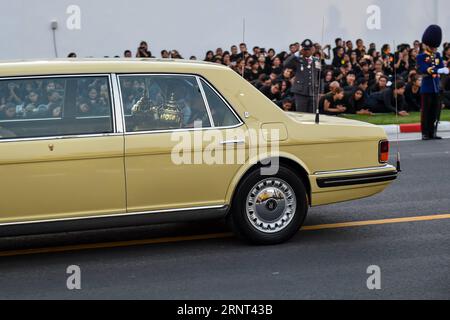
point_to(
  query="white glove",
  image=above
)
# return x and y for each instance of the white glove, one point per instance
(443, 71)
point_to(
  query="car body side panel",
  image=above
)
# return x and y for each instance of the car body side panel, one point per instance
(158, 181)
(80, 177)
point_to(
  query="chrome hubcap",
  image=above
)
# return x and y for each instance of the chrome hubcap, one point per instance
(271, 205)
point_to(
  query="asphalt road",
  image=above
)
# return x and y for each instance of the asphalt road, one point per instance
(414, 256)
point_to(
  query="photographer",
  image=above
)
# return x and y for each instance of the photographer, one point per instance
(402, 61)
(142, 51)
(13, 95)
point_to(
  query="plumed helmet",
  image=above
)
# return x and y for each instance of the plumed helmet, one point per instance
(432, 37)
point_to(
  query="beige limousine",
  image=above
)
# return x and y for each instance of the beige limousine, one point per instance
(88, 144)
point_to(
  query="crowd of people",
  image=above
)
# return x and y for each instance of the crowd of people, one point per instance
(31, 99)
(354, 78)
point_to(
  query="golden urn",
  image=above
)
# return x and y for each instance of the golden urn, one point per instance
(170, 113)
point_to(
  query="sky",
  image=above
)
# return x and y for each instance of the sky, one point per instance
(100, 28)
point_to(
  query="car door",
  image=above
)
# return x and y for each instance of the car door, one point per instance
(172, 142)
(60, 154)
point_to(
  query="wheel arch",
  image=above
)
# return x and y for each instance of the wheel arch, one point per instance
(295, 164)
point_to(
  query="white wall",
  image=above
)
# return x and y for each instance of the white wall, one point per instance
(194, 26)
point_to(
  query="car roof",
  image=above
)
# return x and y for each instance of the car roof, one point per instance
(107, 65)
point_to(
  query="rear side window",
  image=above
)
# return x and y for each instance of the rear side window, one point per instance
(57, 106)
(162, 102)
(221, 113)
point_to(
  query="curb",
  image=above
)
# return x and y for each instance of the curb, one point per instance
(444, 126)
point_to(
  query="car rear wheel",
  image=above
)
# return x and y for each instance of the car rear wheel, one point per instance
(269, 209)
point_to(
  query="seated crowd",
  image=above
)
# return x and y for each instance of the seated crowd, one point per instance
(358, 80)
(355, 79)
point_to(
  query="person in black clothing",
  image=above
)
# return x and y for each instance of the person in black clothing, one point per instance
(251, 74)
(380, 85)
(338, 59)
(209, 56)
(8, 112)
(365, 71)
(327, 80)
(277, 66)
(332, 103)
(142, 51)
(285, 87)
(263, 80)
(412, 94)
(234, 53)
(363, 84)
(349, 47)
(256, 52)
(349, 84)
(401, 64)
(339, 43)
(360, 48)
(287, 104)
(446, 93)
(272, 92)
(355, 102)
(264, 67)
(388, 59)
(386, 101)
(244, 53)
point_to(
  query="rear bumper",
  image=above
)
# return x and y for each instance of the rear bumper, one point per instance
(344, 185)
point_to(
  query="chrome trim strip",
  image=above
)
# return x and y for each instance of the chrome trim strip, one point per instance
(117, 105)
(84, 136)
(130, 214)
(208, 109)
(353, 180)
(357, 180)
(28, 120)
(180, 130)
(233, 142)
(111, 99)
(63, 75)
(385, 167)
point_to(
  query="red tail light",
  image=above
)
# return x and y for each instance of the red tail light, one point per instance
(383, 153)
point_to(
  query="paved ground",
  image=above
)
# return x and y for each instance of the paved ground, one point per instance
(414, 256)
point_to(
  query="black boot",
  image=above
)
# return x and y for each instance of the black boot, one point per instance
(435, 136)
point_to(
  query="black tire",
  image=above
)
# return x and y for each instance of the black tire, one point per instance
(240, 221)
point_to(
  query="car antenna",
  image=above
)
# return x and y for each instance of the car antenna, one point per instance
(243, 41)
(320, 74)
(396, 115)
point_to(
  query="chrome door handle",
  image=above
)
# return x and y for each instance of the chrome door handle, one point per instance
(233, 142)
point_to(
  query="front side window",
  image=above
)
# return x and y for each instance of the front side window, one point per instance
(57, 106)
(162, 102)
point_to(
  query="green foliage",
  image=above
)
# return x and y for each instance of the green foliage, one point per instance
(388, 118)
